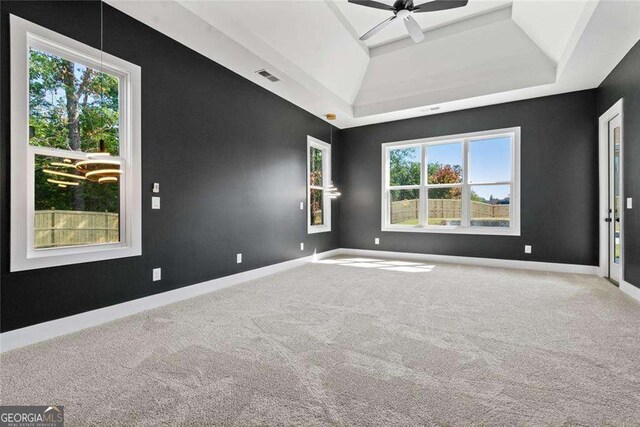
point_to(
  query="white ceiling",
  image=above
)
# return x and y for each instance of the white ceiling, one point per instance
(487, 52)
(471, 61)
(304, 34)
(362, 19)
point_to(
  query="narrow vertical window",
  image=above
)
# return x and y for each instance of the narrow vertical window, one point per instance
(490, 182)
(318, 179)
(404, 185)
(444, 184)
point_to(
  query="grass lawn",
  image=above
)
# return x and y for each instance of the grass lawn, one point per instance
(442, 221)
(413, 221)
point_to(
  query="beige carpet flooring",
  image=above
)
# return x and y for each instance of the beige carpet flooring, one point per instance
(354, 341)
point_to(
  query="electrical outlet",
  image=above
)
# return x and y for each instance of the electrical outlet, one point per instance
(156, 187)
(239, 258)
(377, 241)
(157, 274)
(629, 203)
(301, 206)
(302, 246)
(155, 203)
(527, 249)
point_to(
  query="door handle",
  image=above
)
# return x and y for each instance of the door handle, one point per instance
(607, 220)
(617, 219)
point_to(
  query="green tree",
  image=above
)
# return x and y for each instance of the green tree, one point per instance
(316, 178)
(444, 174)
(71, 107)
(404, 169)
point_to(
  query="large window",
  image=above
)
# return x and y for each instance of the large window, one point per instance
(318, 182)
(75, 151)
(455, 184)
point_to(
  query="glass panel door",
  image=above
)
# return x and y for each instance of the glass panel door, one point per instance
(615, 200)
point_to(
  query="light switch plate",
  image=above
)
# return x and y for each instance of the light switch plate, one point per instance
(239, 258)
(629, 203)
(302, 246)
(155, 203)
(377, 241)
(156, 187)
(301, 206)
(527, 249)
(157, 274)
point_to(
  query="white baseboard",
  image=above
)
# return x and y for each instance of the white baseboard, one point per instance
(486, 262)
(54, 328)
(66, 325)
(630, 290)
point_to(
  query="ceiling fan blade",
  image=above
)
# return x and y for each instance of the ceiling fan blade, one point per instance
(413, 29)
(436, 5)
(377, 28)
(371, 3)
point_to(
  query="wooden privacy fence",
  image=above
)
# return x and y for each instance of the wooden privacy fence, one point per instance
(69, 228)
(407, 210)
(403, 211)
(485, 210)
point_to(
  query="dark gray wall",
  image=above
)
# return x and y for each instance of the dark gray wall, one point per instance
(559, 174)
(230, 158)
(624, 82)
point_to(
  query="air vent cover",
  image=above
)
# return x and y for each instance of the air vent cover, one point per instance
(268, 75)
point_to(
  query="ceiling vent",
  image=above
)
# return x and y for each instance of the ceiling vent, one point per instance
(267, 75)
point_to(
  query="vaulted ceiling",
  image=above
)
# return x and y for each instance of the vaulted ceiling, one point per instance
(484, 53)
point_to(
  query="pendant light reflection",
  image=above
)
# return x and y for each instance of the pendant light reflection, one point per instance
(62, 174)
(66, 163)
(97, 167)
(331, 191)
(62, 184)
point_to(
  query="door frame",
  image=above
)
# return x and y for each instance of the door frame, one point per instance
(603, 161)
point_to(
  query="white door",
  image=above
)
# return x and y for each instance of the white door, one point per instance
(615, 199)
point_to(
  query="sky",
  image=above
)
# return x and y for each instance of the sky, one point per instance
(490, 161)
(59, 94)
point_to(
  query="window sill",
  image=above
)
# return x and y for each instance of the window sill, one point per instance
(318, 229)
(453, 230)
(56, 257)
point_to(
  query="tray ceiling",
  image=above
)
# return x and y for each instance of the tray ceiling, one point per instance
(487, 52)
(362, 19)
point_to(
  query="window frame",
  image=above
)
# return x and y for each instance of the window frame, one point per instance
(465, 185)
(25, 35)
(326, 180)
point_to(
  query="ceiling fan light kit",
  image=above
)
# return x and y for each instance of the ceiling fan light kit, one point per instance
(404, 9)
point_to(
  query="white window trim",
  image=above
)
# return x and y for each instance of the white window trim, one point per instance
(24, 35)
(326, 179)
(514, 214)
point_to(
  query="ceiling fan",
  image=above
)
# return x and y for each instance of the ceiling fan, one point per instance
(403, 9)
